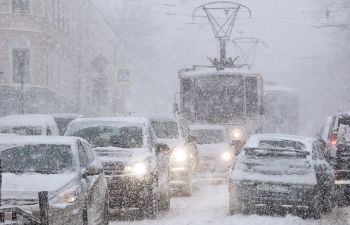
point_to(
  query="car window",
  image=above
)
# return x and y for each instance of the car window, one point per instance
(83, 157)
(89, 152)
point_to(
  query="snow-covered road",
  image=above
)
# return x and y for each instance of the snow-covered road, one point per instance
(209, 206)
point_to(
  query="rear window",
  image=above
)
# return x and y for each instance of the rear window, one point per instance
(282, 144)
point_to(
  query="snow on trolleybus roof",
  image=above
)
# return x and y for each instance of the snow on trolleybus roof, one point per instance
(254, 140)
(58, 140)
(279, 88)
(205, 127)
(27, 120)
(206, 72)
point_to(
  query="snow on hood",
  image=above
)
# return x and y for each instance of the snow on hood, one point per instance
(28, 185)
(172, 143)
(112, 154)
(212, 150)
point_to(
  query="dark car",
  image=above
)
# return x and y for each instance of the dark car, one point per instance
(66, 167)
(281, 171)
(137, 168)
(335, 135)
(184, 160)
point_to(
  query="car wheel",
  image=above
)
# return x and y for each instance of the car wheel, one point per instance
(327, 202)
(164, 202)
(150, 202)
(316, 208)
(235, 206)
(106, 216)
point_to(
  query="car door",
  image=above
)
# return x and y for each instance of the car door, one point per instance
(162, 159)
(323, 169)
(90, 182)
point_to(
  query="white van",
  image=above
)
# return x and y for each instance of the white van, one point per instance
(29, 124)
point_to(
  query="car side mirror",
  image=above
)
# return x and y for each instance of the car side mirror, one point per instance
(175, 108)
(162, 148)
(92, 170)
(192, 139)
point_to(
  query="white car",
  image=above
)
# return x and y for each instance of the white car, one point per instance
(215, 154)
(29, 124)
(281, 172)
(137, 168)
(184, 160)
(66, 167)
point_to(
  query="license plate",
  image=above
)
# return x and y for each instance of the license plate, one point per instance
(273, 188)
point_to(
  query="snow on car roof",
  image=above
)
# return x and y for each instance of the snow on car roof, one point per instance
(67, 115)
(254, 140)
(27, 120)
(162, 117)
(127, 119)
(205, 127)
(278, 88)
(60, 140)
(212, 71)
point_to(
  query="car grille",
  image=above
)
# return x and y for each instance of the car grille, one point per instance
(113, 168)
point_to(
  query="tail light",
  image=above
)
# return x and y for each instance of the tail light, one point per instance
(334, 139)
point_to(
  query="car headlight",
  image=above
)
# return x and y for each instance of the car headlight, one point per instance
(179, 155)
(236, 134)
(138, 169)
(68, 196)
(226, 156)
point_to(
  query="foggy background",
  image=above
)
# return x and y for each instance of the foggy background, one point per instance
(307, 50)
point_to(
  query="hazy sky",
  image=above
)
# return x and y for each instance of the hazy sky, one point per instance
(298, 54)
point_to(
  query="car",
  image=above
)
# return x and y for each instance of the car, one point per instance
(184, 160)
(63, 120)
(335, 135)
(215, 153)
(281, 171)
(137, 168)
(66, 167)
(29, 124)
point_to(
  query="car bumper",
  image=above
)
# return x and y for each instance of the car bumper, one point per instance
(58, 214)
(179, 176)
(211, 171)
(272, 195)
(127, 192)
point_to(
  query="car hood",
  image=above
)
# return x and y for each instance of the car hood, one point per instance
(172, 143)
(112, 154)
(28, 185)
(212, 150)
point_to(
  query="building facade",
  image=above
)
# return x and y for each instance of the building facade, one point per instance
(65, 47)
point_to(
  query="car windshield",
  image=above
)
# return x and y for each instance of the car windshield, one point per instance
(272, 161)
(166, 130)
(62, 124)
(23, 130)
(110, 136)
(285, 144)
(209, 136)
(344, 130)
(37, 158)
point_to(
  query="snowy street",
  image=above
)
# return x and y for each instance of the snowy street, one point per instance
(210, 206)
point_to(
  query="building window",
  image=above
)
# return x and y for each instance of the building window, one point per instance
(21, 65)
(21, 6)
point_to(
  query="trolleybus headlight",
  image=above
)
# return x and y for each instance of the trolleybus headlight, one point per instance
(226, 156)
(236, 133)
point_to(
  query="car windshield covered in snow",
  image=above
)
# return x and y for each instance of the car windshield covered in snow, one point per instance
(36, 158)
(22, 130)
(274, 161)
(344, 130)
(112, 136)
(284, 144)
(209, 136)
(166, 129)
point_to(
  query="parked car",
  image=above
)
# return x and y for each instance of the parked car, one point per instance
(66, 167)
(29, 124)
(335, 135)
(281, 171)
(137, 168)
(184, 160)
(215, 153)
(62, 121)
